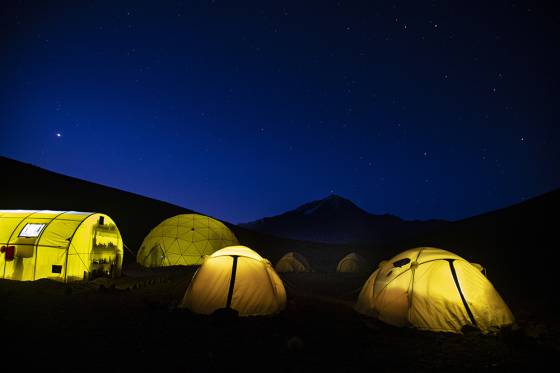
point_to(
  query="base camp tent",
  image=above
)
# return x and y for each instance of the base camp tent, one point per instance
(352, 263)
(292, 262)
(237, 278)
(59, 245)
(433, 289)
(184, 240)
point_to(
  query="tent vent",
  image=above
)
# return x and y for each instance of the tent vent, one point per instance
(402, 262)
(101, 220)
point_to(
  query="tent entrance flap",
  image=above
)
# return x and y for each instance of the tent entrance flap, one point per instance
(105, 240)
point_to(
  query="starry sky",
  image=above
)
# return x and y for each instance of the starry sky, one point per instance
(246, 109)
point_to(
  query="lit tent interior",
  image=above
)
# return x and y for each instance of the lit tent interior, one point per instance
(352, 263)
(236, 278)
(433, 289)
(58, 245)
(292, 262)
(184, 240)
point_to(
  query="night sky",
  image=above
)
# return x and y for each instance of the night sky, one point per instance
(244, 110)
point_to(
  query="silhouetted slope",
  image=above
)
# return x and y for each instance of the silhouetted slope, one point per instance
(338, 220)
(34, 188)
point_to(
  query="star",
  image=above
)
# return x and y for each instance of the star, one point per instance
(58, 135)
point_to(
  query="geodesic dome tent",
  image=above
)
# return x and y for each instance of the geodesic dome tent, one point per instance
(184, 240)
(235, 278)
(58, 245)
(433, 289)
(352, 263)
(292, 262)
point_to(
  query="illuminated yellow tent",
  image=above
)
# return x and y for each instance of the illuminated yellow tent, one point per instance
(352, 263)
(59, 245)
(238, 278)
(292, 262)
(433, 289)
(184, 240)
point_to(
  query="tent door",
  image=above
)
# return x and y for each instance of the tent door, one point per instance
(155, 257)
(104, 250)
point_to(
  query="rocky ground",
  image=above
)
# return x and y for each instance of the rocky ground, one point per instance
(132, 324)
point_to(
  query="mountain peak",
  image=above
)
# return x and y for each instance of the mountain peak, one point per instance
(335, 198)
(336, 219)
(332, 204)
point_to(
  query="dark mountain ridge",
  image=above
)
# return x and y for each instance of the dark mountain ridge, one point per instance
(338, 220)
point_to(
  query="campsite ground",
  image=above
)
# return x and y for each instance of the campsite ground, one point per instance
(133, 324)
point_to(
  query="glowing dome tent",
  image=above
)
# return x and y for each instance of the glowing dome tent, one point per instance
(184, 240)
(237, 278)
(433, 289)
(292, 262)
(59, 245)
(352, 263)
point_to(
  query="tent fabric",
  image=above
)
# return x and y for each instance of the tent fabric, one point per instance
(237, 278)
(352, 263)
(433, 289)
(292, 262)
(59, 245)
(184, 240)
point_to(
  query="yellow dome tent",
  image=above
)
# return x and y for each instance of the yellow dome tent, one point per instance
(352, 263)
(433, 289)
(237, 278)
(184, 240)
(59, 245)
(292, 262)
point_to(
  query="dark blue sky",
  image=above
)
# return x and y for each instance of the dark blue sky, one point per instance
(243, 110)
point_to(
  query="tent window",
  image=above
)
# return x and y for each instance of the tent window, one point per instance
(31, 230)
(56, 268)
(402, 262)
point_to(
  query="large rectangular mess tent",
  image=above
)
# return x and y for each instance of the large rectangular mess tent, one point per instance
(59, 245)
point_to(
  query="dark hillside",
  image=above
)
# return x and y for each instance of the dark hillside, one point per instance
(518, 245)
(35, 188)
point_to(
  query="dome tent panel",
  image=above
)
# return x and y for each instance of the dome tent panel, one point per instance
(237, 278)
(47, 244)
(292, 262)
(486, 304)
(435, 304)
(352, 263)
(433, 289)
(208, 289)
(184, 240)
